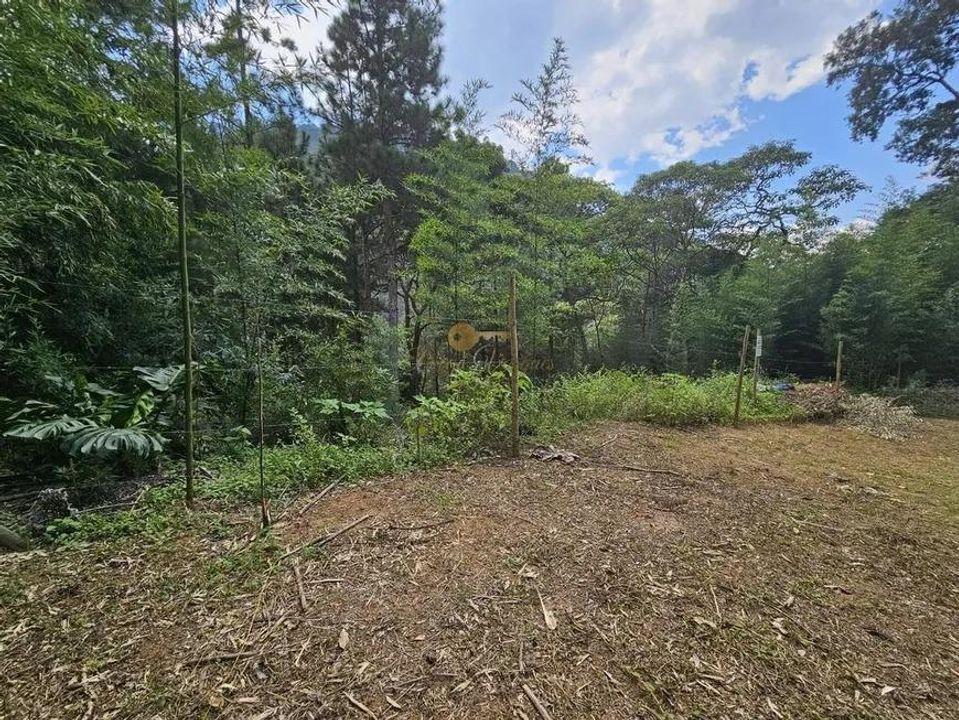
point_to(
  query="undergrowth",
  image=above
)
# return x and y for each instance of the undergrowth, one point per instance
(660, 399)
(473, 417)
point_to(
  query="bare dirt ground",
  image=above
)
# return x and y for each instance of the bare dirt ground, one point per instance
(778, 571)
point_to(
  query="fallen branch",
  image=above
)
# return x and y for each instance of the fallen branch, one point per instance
(536, 703)
(323, 493)
(424, 526)
(320, 542)
(636, 468)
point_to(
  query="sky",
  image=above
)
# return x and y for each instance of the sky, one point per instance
(666, 80)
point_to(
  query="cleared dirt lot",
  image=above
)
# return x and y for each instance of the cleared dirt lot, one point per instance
(795, 571)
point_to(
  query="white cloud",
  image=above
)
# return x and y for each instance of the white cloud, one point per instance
(658, 79)
(664, 79)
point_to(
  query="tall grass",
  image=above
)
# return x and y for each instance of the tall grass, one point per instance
(638, 396)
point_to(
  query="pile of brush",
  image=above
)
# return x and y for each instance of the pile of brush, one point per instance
(880, 416)
(818, 401)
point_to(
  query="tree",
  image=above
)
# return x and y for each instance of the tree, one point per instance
(469, 115)
(543, 124)
(896, 307)
(378, 84)
(900, 67)
(697, 219)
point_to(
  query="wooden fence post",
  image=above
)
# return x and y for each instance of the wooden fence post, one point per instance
(838, 365)
(756, 357)
(265, 520)
(739, 380)
(514, 368)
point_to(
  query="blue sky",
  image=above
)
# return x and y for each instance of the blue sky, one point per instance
(667, 80)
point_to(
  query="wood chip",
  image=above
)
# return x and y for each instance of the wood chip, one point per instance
(548, 616)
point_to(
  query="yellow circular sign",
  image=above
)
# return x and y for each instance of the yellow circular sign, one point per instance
(462, 336)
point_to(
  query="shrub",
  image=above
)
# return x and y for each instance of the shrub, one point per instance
(474, 415)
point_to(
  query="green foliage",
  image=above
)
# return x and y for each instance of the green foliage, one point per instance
(940, 400)
(542, 121)
(362, 420)
(900, 67)
(661, 399)
(896, 308)
(317, 253)
(90, 420)
(475, 414)
(91, 527)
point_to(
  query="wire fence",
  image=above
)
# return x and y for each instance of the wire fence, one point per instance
(427, 370)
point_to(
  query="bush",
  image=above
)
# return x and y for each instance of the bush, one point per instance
(941, 400)
(474, 415)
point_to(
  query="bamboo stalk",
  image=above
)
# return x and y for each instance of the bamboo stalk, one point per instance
(514, 369)
(183, 253)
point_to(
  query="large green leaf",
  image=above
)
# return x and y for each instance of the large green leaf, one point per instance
(162, 379)
(113, 441)
(49, 429)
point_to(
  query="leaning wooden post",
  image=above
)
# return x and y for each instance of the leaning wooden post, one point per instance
(838, 365)
(739, 380)
(514, 368)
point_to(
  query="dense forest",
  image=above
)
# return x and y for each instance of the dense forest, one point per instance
(321, 217)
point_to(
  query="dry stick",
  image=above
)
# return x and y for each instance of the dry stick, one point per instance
(299, 585)
(323, 494)
(320, 542)
(226, 656)
(264, 506)
(536, 703)
(739, 380)
(514, 368)
(424, 526)
(356, 703)
(654, 471)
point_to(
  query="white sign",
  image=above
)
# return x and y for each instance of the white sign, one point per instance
(759, 344)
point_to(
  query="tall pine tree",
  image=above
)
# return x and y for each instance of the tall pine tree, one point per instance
(378, 87)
